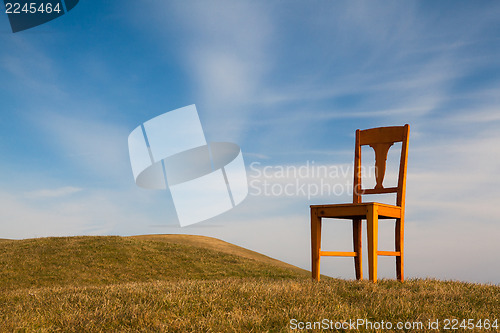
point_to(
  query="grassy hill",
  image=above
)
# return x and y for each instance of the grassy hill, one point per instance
(179, 283)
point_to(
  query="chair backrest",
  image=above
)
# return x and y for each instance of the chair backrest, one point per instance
(381, 139)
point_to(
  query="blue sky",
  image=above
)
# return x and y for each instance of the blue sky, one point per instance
(290, 82)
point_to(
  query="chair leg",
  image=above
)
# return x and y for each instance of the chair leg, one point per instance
(372, 224)
(315, 243)
(356, 235)
(400, 248)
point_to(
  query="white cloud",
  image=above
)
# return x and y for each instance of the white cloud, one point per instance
(53, 193)
(22, 219)
(91, 212)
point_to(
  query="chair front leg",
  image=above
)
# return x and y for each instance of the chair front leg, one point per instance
(372, 226)
(315, 243)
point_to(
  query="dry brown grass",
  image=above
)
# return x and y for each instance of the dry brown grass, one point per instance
(227, 298)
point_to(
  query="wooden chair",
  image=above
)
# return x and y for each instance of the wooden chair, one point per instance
(380, 139)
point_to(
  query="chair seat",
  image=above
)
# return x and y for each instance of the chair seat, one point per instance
(357, 210)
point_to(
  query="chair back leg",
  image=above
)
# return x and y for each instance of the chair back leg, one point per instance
(399, 232)
(356, 241)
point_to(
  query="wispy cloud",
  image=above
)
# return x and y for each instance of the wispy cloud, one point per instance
(88, 144)
(36, 74)
(225, 53)
(53, 193)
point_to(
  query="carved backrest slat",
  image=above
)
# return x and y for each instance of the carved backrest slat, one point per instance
(381, 139)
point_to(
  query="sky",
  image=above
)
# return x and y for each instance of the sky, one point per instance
(289, 82)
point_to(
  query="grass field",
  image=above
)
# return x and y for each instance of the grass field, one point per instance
(178, 283)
